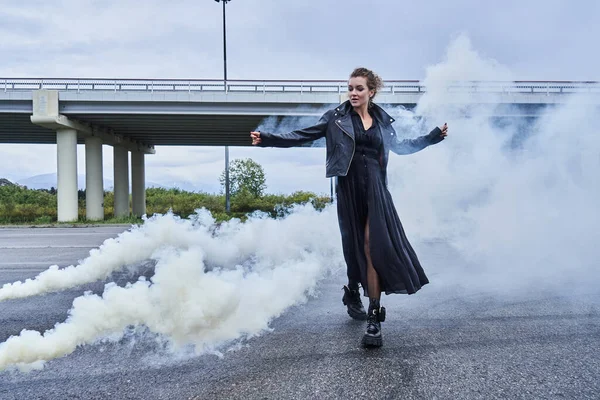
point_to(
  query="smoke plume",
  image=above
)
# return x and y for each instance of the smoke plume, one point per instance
(215, 285)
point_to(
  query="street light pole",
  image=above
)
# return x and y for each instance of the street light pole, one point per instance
(227, 203)
(224, 43)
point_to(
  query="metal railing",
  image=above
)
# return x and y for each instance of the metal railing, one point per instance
(285, 86)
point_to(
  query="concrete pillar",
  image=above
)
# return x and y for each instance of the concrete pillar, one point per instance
(94, 186)
(66, 197)
(121, 175)
(138, 183)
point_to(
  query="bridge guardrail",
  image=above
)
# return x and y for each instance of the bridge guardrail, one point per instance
(285, 86)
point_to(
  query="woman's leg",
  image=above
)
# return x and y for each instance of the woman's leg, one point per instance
(373, 286)
(376, 313)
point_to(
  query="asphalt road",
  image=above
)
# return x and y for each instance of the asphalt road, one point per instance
(443, 343)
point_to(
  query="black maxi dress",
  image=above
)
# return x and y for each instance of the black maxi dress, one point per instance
(363, 194)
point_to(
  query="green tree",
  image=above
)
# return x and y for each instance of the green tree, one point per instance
(245, 176)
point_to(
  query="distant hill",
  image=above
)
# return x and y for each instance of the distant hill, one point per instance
(47, 181)
(5, 182)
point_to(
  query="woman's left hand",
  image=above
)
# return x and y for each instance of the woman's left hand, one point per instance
(444, 130)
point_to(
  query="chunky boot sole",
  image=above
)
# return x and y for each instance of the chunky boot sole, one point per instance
(372, 341)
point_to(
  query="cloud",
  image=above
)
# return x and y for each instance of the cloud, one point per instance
(309, 39)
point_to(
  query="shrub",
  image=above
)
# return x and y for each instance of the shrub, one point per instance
(19, 204)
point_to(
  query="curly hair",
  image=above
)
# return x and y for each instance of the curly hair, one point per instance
(374, 82)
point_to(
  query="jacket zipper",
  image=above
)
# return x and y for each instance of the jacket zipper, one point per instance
(353, 147)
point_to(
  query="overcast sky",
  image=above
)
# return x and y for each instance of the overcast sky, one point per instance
(276, 39)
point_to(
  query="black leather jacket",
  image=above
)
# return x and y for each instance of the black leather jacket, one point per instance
(336, 126)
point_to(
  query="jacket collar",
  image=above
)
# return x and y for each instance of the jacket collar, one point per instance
(378, 112)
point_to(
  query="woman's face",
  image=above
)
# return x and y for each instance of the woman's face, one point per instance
(358, 91)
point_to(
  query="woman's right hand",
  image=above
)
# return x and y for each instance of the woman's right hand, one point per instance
(255, 138)
(444, 130)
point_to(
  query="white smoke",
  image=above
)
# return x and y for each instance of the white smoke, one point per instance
(518, 199)
(129, 248)
(462, 79)
(213, 286)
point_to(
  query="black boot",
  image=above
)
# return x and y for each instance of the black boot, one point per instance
(372, 337)
(352, 301)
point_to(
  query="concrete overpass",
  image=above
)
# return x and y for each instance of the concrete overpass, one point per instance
(136, 115)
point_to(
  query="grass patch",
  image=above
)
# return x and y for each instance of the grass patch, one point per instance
(22, 206)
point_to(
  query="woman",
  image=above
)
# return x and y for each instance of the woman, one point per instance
(359, 136)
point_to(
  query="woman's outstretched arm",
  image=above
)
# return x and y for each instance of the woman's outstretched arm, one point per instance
(409, 146)
(294, 138)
